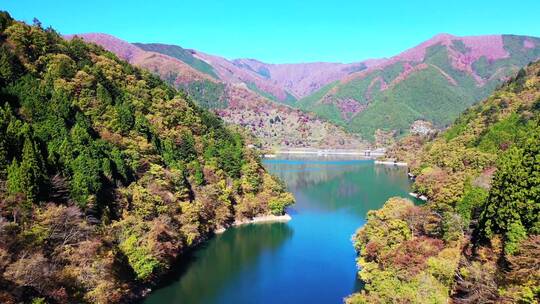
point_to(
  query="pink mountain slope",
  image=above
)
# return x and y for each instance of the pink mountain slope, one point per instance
(303, 79)
(231, 73)
(155, 62)
(278, 80)
(246, 108)
(490, 46)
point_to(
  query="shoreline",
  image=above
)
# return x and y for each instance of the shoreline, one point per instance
(257, 219)
(418, 196)
(142, 291)
(364, 154)
(332, 152)
(391, 163)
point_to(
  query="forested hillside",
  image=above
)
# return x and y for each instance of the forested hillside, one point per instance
(434, 81)
(273, 124)
(107, 174)
(477, 239)
(179, 53)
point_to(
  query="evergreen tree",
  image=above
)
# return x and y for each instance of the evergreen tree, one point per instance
(14, 178)
(4, 161)
(513, 205)
(10, 66)
(186, 149)
(32, 174)
(3, 153)
(124, 117)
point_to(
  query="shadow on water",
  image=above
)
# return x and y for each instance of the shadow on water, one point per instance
(204, 272)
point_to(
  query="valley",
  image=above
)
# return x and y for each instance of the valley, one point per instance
(300, 152)
(369, 103)
(283, 262)
(231, 93)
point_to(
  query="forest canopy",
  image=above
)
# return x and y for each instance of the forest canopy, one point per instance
(477, 239)
(107, 174)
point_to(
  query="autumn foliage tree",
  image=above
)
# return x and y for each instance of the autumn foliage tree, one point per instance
(107, 174)
(513, 207)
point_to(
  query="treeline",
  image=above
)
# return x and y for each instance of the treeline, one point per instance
(477, 239)
(107, 174)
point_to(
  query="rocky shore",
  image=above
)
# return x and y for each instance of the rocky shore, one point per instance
(258, 219)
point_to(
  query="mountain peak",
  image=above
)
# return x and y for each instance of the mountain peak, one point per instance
(472, 47)
(121, 48)
(442, 36)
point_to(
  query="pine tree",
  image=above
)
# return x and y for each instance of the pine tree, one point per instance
(3, 144)
(3, 154)
(32, 174)
(14, 177)
(514, 200)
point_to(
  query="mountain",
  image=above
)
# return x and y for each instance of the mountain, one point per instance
(299, 79)
(237, 101)
(181, 54)
(377, 99)
(108, 175)
(279, 82)
(477, 239)
(434, 81)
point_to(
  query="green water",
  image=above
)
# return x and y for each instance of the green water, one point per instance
(307, 260)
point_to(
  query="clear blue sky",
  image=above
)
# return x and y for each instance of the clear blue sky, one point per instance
(280, 31)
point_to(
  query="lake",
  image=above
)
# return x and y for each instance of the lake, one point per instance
(310, 259)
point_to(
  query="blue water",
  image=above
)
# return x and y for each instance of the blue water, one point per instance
(307, 260)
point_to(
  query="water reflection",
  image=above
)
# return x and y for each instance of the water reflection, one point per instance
(226, 256)
(307, 260)
(356, 185)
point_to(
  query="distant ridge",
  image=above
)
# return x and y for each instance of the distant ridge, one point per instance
(376, 98)
(237, 102)
(433, 81)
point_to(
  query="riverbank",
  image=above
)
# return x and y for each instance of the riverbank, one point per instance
(329, 152)
(418, 196)
(242, 260)
(258, 219)
(391, 163)
(142, 290)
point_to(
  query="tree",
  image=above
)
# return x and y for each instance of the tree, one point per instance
(28, 42)
(4, 148)
(3, 153)
(86, 179)
(513, 206)
(29, 176)
(124, 117)
(230, 156)
(278, 204)
(60, 66)
(103, 95)
(14, 178)
(198, 173)
(251, 179)
(5, 20)
(33, 271)
(10, 66)
(186, 148)
(473, 199)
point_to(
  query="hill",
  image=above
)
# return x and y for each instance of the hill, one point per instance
(376, 99)
(302, 79)
(107, 174)
(181, 54)
(434, 81)
(275, 125)
(477, 239)
(283, 83)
